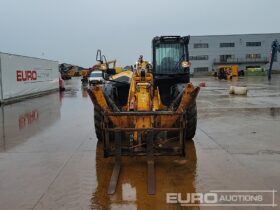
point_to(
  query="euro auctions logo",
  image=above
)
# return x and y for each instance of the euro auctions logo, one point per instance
(28, 75)
(236, 198)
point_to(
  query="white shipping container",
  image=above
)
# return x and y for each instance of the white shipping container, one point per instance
(22, 76)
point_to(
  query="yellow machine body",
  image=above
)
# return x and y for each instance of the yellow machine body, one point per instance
(143, 98)
(148, 111)
(230, 70)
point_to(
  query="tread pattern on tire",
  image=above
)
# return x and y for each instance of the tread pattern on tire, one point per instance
(97, 123)
(191, 115)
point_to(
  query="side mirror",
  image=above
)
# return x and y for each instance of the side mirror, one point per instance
(186, 64)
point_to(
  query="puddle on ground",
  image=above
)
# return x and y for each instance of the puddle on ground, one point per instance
(173, 174)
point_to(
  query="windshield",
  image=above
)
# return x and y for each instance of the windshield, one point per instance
(96, 74)
(168, 58)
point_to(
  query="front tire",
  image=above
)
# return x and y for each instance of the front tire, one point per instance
(98, 123)
(191, 117)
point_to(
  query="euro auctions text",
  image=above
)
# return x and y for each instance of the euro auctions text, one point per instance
(224, 198)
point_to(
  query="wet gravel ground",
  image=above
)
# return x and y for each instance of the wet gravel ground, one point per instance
(50, 159)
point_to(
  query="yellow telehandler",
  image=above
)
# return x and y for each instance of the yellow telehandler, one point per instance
(149, 110)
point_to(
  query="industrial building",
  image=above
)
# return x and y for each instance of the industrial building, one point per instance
(209, 52)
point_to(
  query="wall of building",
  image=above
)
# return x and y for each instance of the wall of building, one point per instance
(242, 54)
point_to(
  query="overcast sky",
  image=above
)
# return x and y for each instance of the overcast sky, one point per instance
(72, 30)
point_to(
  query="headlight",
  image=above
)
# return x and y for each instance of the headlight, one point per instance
(186, 64)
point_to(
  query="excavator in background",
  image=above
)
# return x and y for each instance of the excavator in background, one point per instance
(90, 75)
(68, 71)
(149, 110)
(101, 59)
(275, 47)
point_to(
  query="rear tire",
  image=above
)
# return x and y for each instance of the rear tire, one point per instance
(191, 115)
(98, 123)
